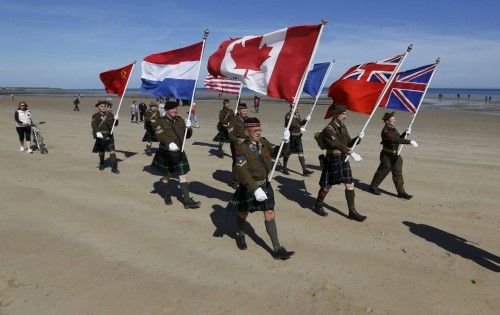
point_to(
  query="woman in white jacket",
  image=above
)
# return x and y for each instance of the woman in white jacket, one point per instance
(23, 126)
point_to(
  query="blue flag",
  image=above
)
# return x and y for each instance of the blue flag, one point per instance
(315, 78)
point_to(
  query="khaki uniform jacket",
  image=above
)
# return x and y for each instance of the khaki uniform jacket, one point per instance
(236, 129)
(251, 170)
(391, 139)
(150, 118)
(171, 130)
(337, 138)
(296, 123)
(102, 122)
(225, 116)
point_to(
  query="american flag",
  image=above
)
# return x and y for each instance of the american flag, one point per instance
(408, 88)
(222, 84)
(379, 71)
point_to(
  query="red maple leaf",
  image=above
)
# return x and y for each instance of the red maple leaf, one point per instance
(250, 56)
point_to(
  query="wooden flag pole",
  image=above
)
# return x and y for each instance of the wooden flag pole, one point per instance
(320, 88)
(121, 99)
(386, 87)
(438, 60)
(205, 35)
(297, 97)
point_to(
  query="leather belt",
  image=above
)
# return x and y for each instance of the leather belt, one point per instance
(391, 151)
(333, 152)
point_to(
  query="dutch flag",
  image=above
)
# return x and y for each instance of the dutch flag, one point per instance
(172, 73)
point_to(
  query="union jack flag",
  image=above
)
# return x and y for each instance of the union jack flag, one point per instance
(379, 71)
(408, 88)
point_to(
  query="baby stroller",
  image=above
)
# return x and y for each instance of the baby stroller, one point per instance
(38, 143)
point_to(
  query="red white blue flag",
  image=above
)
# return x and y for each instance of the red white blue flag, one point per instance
(408, 88)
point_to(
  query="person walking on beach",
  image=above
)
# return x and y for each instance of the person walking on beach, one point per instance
(76, 102)
(194, 116)
(102, 124)
(296, 131)
(253, 163)
(237, 135)
(109, 103)
(390, 161)
(336, 170)
(22, 116)
(150, 118)
(134, 112)
(256, 103)
(169, 160)
(142, 110)
(226, 114)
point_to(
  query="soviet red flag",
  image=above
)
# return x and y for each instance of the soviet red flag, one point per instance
(115, 80)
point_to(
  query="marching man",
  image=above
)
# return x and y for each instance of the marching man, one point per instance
(390, 160)
(102, 124)
(336, 170)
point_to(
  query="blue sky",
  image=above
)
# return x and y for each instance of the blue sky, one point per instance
(61, 44)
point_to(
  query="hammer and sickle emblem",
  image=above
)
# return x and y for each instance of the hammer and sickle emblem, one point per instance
(123, 74)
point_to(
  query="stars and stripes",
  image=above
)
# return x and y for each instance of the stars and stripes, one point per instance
(222, 84)
(408, 88)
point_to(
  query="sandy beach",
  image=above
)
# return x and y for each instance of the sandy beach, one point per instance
(74, 240)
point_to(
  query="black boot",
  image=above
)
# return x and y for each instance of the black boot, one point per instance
(353, 214)
(164, 192)
(148, 151)
(282, 253)
(240, 241)
(285, 167)
(114, 164)
(101, 162)
(404, 195)
(188, 202)
(305, 171)
(318, 209)
(220, 151)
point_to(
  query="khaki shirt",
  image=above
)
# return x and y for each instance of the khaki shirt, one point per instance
(236, 129)
(252, 168)
(296, 123)
(150, 118)
(336, 137)
(171, 130)
(102, 122)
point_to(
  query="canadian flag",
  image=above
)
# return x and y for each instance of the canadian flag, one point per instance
(272, 64)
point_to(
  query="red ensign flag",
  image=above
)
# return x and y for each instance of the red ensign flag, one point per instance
(115, 80)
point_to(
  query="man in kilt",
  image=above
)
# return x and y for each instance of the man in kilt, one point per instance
(336, 170)
(296, 131)
(225, 116)
(169, 160)
(102, 123)
(390, 160)
(237, 135)
(150, 117)
(253, 164)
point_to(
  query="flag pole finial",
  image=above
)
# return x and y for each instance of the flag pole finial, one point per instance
(438, 60)
(135, 61)
(205, 33)
(409, 48)
(323, 21)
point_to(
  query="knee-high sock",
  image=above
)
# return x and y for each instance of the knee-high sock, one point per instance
(321, 195)
(101, 158)
(240, 224)
(349, 197)
(185, 190)
(302, 161)
(114, 162)
(273, 233)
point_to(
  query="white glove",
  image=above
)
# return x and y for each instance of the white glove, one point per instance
(308, 117)
(260, 194)
(414, 143)
(408, 131)
(286, 135)
(99, 135)
(173, 147)
(116, 117)
(356, 156)
(361, 134)
(188, 123)
(302, 130)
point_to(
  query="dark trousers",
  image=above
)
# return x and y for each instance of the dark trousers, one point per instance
(389, 163)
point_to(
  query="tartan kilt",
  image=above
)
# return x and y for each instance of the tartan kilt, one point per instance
(149, 135)
(295, 145)
(104, 145)
(335, 171)
(244, 200)
(170, 164)
(221, 136)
